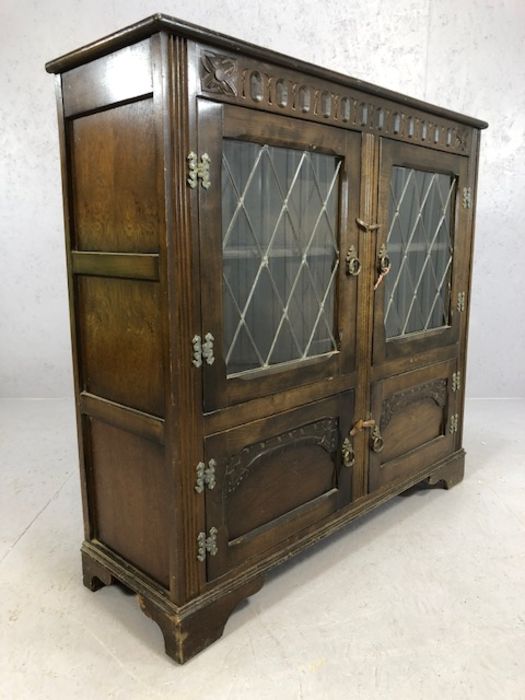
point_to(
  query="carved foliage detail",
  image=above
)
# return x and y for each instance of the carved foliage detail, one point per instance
(247, 82)
(324, 433)
(219, 74)
(435, 390)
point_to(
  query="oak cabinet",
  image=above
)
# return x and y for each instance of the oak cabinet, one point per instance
(269, 270)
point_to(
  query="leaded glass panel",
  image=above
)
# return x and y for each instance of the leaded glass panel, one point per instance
(420, 247)
(280, 254)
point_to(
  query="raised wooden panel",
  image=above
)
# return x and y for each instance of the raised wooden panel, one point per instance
(129, 494)
(413, 411)
(276, 476)
(288, 470)
(412, 417)
(114, 185)
(123, 75)
(120, 341)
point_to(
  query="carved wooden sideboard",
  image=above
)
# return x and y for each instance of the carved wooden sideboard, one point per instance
(269, 271)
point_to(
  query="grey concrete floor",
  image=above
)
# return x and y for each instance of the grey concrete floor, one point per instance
(425, 598)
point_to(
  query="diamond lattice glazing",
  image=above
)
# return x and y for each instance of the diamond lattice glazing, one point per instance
(420, 246)
(280, 254)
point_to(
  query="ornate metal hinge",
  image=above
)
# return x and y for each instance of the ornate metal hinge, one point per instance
(456, 381)
(198, 169)
(467, 197)
(207, 544)
(460, 305)
(205, 475)
(453, 423)
(202, 351)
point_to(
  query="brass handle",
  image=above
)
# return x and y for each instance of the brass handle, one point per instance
(353, 264)
(348, 453)
(369, 228)
(376, 440)
(383, 266)
(384, 261)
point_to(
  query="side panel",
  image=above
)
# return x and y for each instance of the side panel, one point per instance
(114, 158)
(115, 229)
(129, 499)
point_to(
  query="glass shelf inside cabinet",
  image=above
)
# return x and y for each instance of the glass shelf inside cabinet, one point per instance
(420, 247)
(280, 254)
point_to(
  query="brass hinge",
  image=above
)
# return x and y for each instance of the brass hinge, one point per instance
(202, 350)
(453, 423)
(467, 197)
(456, 381)
(198, 169)
(207, 544)
(460, 305)
(205, 475)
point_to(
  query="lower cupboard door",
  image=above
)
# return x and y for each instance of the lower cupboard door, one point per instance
(417, 420)
(275, 477)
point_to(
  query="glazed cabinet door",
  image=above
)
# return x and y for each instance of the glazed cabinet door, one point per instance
(416, 415)
(421, 252)
(277, 217)
(274, 478)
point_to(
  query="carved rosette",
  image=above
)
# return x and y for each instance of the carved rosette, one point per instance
(435, 391)
(219, 74)
(324, 433)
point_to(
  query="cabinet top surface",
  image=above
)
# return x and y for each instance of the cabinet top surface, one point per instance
(161, 22)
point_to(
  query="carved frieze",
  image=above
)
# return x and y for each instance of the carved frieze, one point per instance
(435, 391)
(244, 81)
(324, 433)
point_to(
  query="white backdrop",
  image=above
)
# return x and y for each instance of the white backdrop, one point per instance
(468, 55)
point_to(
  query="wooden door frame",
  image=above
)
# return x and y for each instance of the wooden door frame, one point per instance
(257, 436)
(217, 121)
(421, 158)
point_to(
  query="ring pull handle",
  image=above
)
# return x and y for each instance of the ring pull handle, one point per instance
(383, 265)
(348, 453)
(376, 440)
(353, 264)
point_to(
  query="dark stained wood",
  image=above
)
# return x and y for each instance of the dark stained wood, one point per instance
(243, 80)
(186, 636)
(119, 324)
(142, 424)
(162, 22)
(131, 266)
(124, 75)
(114, 197)
(248, 411)
(128, 489)
(413, 411)
(88, 517)
(144, 270)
